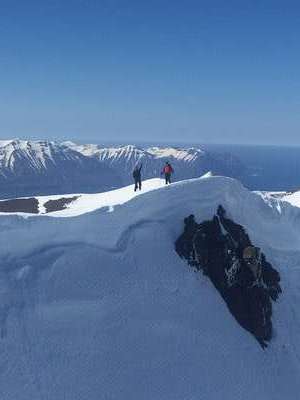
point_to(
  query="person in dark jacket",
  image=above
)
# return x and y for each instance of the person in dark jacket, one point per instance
(137, 177)
(167, 171)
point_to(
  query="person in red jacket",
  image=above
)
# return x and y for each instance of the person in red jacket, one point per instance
(168, 171)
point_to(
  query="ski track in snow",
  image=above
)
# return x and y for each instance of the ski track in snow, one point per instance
(99, 306)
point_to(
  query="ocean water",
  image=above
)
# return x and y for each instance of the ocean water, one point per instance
(268, 167)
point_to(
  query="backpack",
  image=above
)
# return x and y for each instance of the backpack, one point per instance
(168, 169)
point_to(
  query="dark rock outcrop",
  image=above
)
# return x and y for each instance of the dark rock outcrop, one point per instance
(59, 204)
(216, 247)
(30, 205)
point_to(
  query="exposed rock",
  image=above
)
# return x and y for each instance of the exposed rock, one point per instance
(216, 247)
(30, 205)
(59, 204)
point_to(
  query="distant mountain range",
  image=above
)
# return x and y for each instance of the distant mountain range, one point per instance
(43, 167)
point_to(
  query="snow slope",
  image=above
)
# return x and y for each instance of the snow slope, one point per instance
(90, 202)
(81, 203)
(279, 198)
(100, 306)
(293, 198)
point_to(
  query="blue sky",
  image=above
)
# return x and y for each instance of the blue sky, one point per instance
(117, 70)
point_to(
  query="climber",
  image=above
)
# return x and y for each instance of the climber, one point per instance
(167, 171)
(137, 177)
(252, 258)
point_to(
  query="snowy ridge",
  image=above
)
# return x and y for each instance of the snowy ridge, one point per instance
(101, 306)
(85, 203)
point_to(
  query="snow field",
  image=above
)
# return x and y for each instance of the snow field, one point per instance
(99, 305)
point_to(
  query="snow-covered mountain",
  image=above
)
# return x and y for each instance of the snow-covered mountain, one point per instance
(101, 306)
(41, 167)
(187, 162)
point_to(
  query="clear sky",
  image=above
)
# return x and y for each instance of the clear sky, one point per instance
(121, 70)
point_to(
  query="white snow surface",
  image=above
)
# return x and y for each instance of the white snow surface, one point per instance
(100, 306)
(293, 198)
(208, 174)
(35, 152)
(180, 154)
(131, 151)
(90, 202)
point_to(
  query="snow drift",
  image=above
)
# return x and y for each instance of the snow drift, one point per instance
(100, 306)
